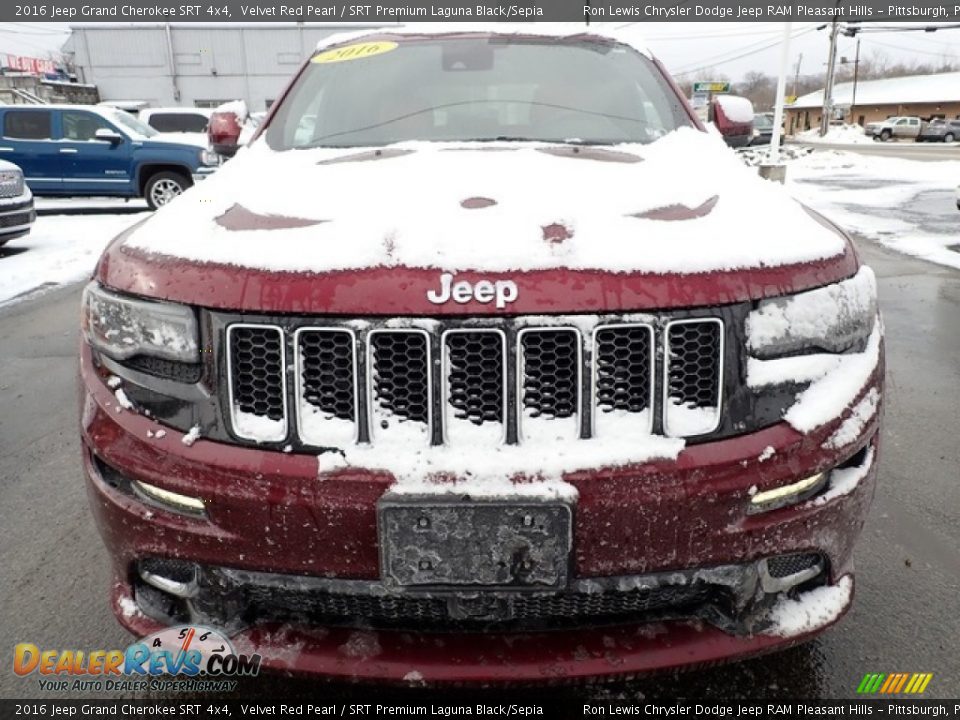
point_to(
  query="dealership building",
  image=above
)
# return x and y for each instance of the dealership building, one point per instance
(926, 96)
(193, 64)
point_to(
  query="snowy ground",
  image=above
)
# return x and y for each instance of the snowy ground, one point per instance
(845, 134)
(63, 245)
(906, 205)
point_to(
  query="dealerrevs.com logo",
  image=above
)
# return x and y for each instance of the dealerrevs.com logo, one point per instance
(187, 655)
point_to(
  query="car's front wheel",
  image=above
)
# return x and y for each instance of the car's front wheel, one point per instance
(949, 138)
(163, 187)
(885, 135)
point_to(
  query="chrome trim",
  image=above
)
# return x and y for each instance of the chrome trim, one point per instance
(298, 378)
(68, 151)
(520, 374)
(593, 370)
(665, 390)
(444, 373)
(283, 379)
(371, 399)
(173, 587)
(168, 500)
(771, 584)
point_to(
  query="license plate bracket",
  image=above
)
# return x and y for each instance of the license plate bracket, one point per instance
(457, 544)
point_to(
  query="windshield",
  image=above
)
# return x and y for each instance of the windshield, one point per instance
(763, 122)
(477, 88)
(131, 124)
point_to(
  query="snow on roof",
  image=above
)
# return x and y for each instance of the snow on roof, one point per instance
(614, 31)
(943, 87)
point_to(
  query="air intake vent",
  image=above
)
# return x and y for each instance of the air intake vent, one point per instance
(257, 379)
(694, 377)
(400, 394)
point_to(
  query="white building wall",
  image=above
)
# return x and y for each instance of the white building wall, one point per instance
(209, 64)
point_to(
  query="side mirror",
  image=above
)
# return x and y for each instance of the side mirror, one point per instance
(108, 135)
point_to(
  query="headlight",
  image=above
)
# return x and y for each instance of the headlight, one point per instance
(208, 157)
(11, 183)
(121, 327)
(836, 318)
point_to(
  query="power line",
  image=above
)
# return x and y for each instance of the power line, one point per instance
(714, 62)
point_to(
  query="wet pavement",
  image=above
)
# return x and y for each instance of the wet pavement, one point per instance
(54, 572)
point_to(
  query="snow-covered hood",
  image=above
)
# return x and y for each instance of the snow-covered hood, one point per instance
(681, 221)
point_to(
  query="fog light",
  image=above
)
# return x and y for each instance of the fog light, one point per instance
(786, 494)
(170, 500)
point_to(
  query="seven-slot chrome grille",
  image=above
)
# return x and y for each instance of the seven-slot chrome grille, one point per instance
(504, 382)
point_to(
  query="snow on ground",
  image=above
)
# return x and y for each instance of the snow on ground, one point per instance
(62, 248)
(906, 205)
(837, 134)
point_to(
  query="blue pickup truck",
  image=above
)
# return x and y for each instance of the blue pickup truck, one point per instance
(101, 151)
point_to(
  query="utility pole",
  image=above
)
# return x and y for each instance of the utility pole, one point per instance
(856, 74)
(828, 87)
(774, 156)
(796, 74)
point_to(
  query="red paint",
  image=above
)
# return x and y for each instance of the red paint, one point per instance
(671, 213)
(555, 233)
(237, 218)
(477, 203)
(402, 291)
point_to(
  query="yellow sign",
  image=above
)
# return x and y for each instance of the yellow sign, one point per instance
(354, 52)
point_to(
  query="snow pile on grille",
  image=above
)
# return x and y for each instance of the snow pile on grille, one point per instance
(811, 611)
(405, 209)
(485, 471)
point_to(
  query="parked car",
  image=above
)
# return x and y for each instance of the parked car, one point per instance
(893, 127)
(733, 117)
(16, 203)
(939, 130)
(95, 150)
(762, 129)
(495, 375)
(232, 126)
(182, 123)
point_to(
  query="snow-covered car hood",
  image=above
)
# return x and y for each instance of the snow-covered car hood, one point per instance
(679, 221)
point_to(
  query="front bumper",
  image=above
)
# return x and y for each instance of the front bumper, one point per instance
(203, 172)
(17, 215)
(272, 515)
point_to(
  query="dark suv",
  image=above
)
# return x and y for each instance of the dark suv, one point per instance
(493, 372)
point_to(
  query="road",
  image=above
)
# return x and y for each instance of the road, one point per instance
(54, 570)
(903, 149)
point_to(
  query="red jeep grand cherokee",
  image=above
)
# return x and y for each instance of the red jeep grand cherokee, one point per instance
(484, 362)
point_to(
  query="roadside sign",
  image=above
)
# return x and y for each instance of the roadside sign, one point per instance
(711, 87)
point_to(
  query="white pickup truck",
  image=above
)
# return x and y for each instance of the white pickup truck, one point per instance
(893, 127)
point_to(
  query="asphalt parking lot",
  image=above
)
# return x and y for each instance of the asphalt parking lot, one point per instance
(54, 571)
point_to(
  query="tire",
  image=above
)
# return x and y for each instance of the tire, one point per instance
(949, 138)
(162, 187)
(885, 135)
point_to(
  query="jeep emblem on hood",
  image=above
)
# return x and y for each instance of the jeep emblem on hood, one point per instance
(485, 291)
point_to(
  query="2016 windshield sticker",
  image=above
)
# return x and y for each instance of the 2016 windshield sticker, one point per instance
(354, 52)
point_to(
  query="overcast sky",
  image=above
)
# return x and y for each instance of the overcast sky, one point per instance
(733, 48)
